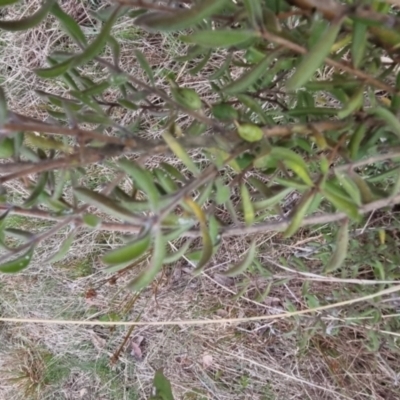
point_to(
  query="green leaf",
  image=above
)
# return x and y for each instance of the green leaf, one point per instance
(299, 213)
(37, 191)
(255, 12)
(350, 187)
(174, 172)
(353, 104)
(165, 180)
(356, 140)
(207, 242)
(293, 161)
(162, 386)
(340, 252)
(28, 22)
(313, 60)
(223, 192)
(224, 112)
(143, 179)
(3, 108)
(340, 202)
(64, 248)
(243, 264)
(130, 251)
(219, 38)
(180, 19)
(359, 42)
(187, 97)
(250, 132)
(145, 65)
(91, 220)
(172, 258)
(105, 204)
(95, 48)
(55, 70)
(272, 200)
(116, 52)
(4, 3)
(246, 80)
(69, 24)
(17, 264)
(6, 147)
(103, 14)
(247, 205)
(180, 152)
(93, 90)
(254, 106)
(200, 65)
(156, 263)
(128, 104)
(388, 117)
(223, 69)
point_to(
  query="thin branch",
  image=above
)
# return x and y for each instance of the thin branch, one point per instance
(366, 161)
(303, 129)
(87, 156)
(270, 226)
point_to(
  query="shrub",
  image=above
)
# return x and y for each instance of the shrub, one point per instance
(296, 127)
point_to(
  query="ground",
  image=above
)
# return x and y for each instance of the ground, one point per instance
(341, 353)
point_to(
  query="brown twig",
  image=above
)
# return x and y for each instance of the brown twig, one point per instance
(270, 226)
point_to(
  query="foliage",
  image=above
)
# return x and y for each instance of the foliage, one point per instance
(266, 121)
(298, 128)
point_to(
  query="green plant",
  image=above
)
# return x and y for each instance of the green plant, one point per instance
(296, 131)
(294, 149)
(34, 369)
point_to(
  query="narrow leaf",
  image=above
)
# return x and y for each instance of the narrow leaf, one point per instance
(350, 187)
(37, 191)
(55, 70)
(299, 213)
(219, 38)
(244, 264)
(64, 248)
(359, 42)
(223, 69)
(4, 3)
(180, 19)
(143, 180)
(105, 204)
(247, 205)
(156, 263)
(3, 108)
(293, 161)
(94, 48)
(207, 242)
(171, 258)
(340, 252)
(255, 12)
(201, 64)
(69, 24)
(17, 264)
(28, 22)
(341, 203)
(388, 117)
(246, 80)
(130, 251)
(313, 60)
(180, 152)
(145, 65)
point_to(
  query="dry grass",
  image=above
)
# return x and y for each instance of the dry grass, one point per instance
(321, 356)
